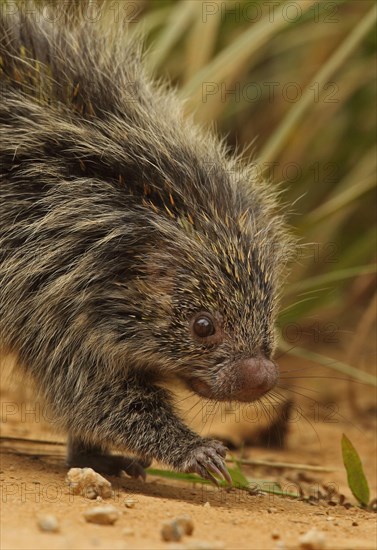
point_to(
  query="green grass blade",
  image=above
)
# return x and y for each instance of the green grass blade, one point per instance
(205, 33)
(360, 248)
(331, 363)
(229, 60)
(342, 200)
(168, 474)
(275, 144)
(331, 277)
(357, 481)
(149, 22)
(239, 481)
(178, 20)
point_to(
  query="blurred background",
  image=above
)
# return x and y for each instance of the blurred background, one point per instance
(293, 86)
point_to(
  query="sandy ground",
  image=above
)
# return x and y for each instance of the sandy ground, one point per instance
(33, 484)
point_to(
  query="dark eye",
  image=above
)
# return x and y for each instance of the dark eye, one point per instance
(203, 326)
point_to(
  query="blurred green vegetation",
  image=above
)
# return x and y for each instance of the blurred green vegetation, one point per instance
(293, 86)
(297, 80)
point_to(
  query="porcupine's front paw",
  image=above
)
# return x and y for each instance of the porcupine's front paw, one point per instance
(207, 460)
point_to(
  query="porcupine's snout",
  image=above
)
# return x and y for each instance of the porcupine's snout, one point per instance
(255, 377)
(246, 380)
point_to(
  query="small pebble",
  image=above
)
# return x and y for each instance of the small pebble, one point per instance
(88, 483)
(313, 540)
(207, 505)
(170, 531)
(103, 515)
(48, 523)
(272, 510)
(130, 503)
(187, 524)
(174, 530)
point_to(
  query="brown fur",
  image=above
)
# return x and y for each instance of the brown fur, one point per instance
(120, 221)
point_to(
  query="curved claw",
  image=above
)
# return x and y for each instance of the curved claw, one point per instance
(217, 465)
(208, 461)
(133, 468)
(214, 470)
(206, 474)
(224, 473)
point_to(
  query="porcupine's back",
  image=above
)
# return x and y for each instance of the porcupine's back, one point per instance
(103, 180)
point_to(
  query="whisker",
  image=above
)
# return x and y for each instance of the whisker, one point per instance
(285, 352)
(297, 393)
(214, 414)
(300, 387)
(325, 378)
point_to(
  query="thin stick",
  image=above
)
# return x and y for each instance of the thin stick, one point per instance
(27, 440)
(288, 465)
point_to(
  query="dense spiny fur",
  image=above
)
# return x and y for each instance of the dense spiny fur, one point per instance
(119, 221)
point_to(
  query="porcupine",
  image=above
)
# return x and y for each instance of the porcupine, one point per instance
(135, 250)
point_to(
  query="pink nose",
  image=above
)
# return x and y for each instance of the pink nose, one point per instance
(246, 381)
(256, 376)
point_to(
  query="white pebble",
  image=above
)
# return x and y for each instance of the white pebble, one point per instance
(313, 540)
(103, 515)
(88, 483)
(48, 523)
(130, 503)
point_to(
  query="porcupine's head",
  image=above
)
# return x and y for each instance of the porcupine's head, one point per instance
(213, 284)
